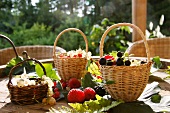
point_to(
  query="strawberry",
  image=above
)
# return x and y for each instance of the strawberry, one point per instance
(89, 93)
(109, 57)
(76, 95)
(74, 83)
(79, 55)
(99, 77)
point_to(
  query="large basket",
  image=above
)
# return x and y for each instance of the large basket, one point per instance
(27, 94)
(70, 67)
(130, 81)
(3, 59)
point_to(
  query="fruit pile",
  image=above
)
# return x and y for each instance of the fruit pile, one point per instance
(78, 94)
(120, 60)
(75, 54)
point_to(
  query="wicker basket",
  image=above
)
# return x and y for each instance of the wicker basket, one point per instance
(27, 94)
(70, 67)
(7, 55)
(130, 81)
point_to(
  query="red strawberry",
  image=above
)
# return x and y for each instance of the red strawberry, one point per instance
(79, 55)
(99, 77)
(109, 57)
(76, 95)
(89, 93)
(74, 83)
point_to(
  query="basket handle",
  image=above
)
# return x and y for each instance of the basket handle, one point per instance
(66, 30)
(9, 40)
(125, 24)
(31, 59)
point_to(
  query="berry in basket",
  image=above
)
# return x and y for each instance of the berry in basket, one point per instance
(130, 76)
(120, 60)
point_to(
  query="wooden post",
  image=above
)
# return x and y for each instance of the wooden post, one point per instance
(139, 16)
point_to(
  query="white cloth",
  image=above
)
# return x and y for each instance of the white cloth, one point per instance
(153, 88)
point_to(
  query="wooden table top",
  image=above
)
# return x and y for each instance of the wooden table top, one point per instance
(7, 107)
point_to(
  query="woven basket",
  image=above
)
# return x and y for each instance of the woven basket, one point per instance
(28, 94)
(7, 55)
(130, 81)
(157, 46)
(70, 67)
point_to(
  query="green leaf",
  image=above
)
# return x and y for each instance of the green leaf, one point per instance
(114, 54)
(78, 107)
(14, 61)
(98, 106)
(51, 73)
(39, 70)
(113, 104)
(87, 81)
(132, 107)
(157, 63)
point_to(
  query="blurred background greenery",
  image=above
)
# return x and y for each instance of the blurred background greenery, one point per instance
(28, 23)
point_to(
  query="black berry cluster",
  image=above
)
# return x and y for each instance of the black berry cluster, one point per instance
(100, 90)
(120, 60)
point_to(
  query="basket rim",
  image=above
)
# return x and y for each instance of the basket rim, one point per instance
(66, 30)
(125, 24)
(30, 59)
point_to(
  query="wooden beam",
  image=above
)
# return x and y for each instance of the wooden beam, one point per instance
(139, 17)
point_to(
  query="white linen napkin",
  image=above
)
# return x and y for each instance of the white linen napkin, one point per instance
(151, 89)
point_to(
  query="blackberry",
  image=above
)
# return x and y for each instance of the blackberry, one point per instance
(142, 62)
(119, 54)
(100, 90)
(102, 61)
(109, 62)
(119, 62)
(127, 62)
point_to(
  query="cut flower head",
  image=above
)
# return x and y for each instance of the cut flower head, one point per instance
(79, 53)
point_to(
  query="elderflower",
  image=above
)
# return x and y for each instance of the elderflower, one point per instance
(79, 53)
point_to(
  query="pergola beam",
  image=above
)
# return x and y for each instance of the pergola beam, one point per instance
(139, 17)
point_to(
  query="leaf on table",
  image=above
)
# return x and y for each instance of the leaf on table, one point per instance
(87, 81)
(132, 107)
(100, 105)
(157, 63)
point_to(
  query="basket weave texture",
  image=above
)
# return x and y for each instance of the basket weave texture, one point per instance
(130, 81)
(27, 94)
(34, 51)
(157, 46)
(70, 67)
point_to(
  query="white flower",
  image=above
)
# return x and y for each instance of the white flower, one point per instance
(161, 20)
(151, 25)
(26, 82)
(79, 51)
(20, 83)
(43, 82)
(32, 82)
(89, 55)
(147, 34)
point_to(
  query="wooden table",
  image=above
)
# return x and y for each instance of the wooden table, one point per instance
(7, 107)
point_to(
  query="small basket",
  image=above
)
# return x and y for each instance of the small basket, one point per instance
(70, 67)
(130, 81)
(27, 94)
